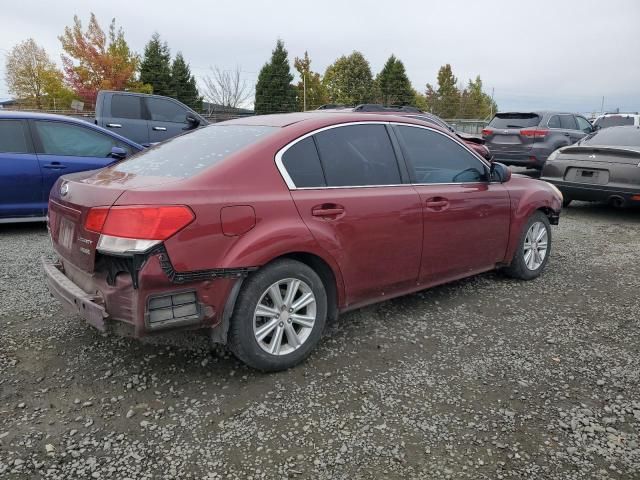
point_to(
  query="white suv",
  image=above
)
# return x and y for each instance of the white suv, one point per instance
(616, 120)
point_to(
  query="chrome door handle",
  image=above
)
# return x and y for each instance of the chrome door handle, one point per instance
(160, 129)
(114, 125)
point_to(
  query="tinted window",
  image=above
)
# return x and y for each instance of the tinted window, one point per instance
(617, 136)
(554, 122)
(515, 120)
(303, 164)
(189, 154)
(60, 138)
(568, 122)
(126, 106)
(13, 138)
(613, 121)
(434, 120)
(583, 124)
(163, 110)
(358, 155)
(435, 158)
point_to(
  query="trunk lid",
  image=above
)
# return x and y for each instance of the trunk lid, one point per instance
(70, 200)
(602, 154)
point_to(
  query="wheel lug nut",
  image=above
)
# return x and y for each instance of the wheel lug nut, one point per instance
(288, 320)
(291, 310)
(277, 315)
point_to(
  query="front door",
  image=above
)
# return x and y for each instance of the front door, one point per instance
(466, 217)
(348, 190)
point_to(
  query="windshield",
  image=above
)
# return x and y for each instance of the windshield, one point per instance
(189, 154)
(515, 120)
(614, 137)
(613, 121)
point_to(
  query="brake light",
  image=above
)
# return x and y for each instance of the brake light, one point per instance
(486, 132)
(139, 221)
(534, 132)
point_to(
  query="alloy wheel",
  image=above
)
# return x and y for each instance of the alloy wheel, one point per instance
(535, 245)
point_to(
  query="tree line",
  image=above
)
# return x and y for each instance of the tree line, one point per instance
(97, 59)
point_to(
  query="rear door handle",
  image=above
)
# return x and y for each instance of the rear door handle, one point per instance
(160, 129)
(438, 204)
(114, 125)
(328, 211)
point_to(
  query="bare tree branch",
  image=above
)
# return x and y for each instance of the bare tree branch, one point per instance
(226, 88)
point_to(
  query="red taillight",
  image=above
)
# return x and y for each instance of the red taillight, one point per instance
(139, 221)
(534, 132)
(95, 219)
(486, 132)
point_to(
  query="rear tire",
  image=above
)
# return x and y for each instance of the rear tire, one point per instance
(269, 329)
(533, 250)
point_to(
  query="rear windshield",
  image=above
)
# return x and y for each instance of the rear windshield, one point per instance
(189, 154)
(613, 121)
(614, 137)
(515, 120)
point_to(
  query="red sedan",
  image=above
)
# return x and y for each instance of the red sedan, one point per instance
(261, 229)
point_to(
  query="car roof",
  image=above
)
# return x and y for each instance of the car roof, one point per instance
(20, 115)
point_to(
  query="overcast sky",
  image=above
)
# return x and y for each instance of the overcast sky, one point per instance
(542, 54)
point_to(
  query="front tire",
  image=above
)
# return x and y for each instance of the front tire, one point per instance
(533, 250)
(279, 316)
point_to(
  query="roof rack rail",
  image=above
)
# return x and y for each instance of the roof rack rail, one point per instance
(331, 106)
(375, 107)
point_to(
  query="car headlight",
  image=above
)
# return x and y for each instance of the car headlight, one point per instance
(556, 189)
(553, 155)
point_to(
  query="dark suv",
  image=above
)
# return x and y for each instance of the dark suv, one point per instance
(527, 139)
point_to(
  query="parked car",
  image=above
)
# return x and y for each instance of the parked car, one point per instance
(616, 120)
(36, 148)
(145, 119)
(528, 138)
(259, 229)
(604, 166)
(475, 143)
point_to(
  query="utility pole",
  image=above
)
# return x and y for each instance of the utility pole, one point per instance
(304, 90)
(492, 90)
(602, 105)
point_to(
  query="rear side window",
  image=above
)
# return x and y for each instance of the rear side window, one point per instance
(613, 121)
(515, 120)
(189, 154)
(162, 110)
(303, 164)
(554, 122)
(436, 158)
(584, 125)
(358, 155)
(126, 106)
(13, 138)
(568, 122)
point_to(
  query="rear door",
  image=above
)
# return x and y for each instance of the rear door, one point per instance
(64, 148)
(167, 118)
(20, 177)
(466, 216)
(126, 116)
(350, 193)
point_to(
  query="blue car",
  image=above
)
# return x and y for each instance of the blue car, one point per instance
(37, 148)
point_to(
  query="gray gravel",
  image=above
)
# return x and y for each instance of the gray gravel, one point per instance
(484, 378)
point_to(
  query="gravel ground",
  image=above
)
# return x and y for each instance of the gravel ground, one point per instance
(483, 378)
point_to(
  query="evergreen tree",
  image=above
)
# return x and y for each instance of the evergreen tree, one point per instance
(349, 80)
(310, 85)
(155, 68)
(392, 84)
(274, 91)
(445, 101)
(183, 84)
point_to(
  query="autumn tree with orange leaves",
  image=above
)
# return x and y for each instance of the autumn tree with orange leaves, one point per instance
(96, 61)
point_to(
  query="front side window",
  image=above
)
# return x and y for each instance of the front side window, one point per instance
(358, 155)
(126, 106)
(303, 164)
(584, 125)
(163, 110)
(13, 138)
(567, 122)
(436, 158)
(59, 138)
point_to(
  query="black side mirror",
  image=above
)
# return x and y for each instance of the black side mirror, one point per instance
(118, 153)
(500, 172)
(192, 121)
